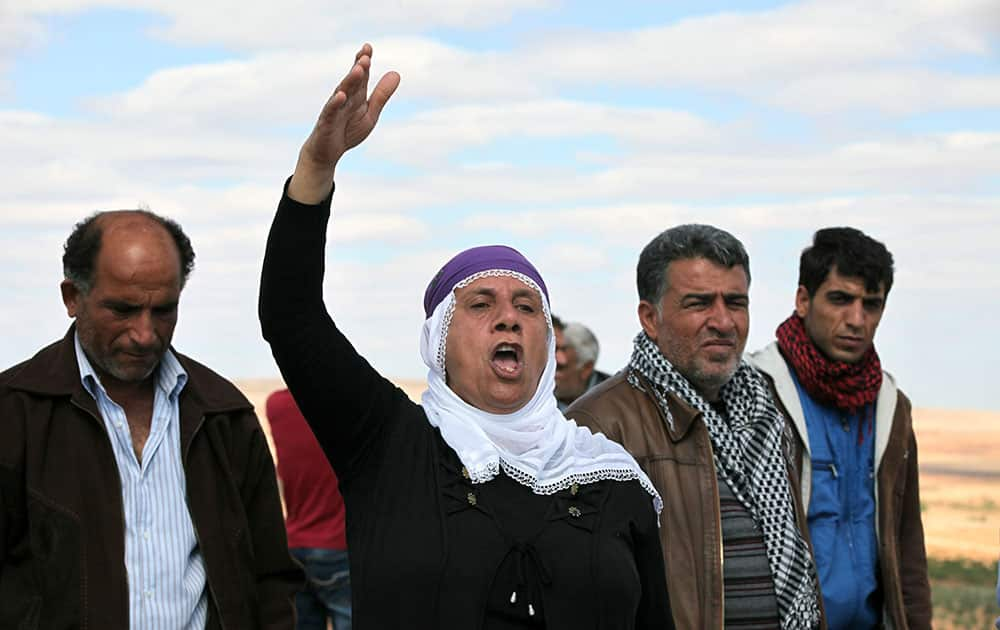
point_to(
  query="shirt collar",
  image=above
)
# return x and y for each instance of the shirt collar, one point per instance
(170, 375)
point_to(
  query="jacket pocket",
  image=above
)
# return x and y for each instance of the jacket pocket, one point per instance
(824, 510)
(40, 577)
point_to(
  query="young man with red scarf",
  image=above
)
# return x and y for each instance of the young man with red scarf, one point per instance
(857, 455)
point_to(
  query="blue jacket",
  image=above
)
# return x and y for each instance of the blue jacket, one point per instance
(899, 530)
(841, 512)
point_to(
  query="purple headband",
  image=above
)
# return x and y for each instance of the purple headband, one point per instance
(471, 262)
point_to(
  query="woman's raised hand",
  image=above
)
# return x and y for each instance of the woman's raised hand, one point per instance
(347, 118)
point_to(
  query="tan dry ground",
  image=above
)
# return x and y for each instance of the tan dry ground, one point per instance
(960, 482)
(959, 473)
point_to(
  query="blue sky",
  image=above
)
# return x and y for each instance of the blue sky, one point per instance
(574, 131)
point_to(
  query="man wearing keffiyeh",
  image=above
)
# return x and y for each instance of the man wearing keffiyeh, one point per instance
(855, 447)
(701, 422)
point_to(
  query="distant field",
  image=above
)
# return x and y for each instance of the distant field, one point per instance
(960, 494)
(960, 482)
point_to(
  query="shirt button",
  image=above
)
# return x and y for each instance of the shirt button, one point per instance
(145, 534)
(149, 593)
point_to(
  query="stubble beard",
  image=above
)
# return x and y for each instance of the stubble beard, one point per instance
(106, 364)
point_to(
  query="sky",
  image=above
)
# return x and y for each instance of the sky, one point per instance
(573, 131)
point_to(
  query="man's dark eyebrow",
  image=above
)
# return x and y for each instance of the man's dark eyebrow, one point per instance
(842, 292)
(118, 304)
(709, 296)
(697, 296)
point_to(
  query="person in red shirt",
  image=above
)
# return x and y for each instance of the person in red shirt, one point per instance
(314, 520)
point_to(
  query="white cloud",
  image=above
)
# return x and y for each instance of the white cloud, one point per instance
(960, 232)
(294, 23)
(435, 134)
(289, 87)
(814, 57)
(18, 33)
(210, 144)
(817, 56)
(775, 45)
(892, 91)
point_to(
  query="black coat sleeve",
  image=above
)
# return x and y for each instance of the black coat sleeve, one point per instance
(346, 402)
(654, 604)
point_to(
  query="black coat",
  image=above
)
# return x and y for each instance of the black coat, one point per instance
(428, 548)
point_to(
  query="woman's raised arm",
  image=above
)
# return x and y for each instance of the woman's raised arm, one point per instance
(344, 399)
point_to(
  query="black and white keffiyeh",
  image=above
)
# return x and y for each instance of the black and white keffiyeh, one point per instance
(749, 455)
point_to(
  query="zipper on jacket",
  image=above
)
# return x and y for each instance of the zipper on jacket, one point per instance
(722, 550)
(722, 561)
(194, 525)
(121, 502)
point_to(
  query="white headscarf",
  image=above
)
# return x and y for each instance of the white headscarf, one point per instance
(536, 445)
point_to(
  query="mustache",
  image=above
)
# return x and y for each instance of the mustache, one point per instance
(719, 337)
(135, 348)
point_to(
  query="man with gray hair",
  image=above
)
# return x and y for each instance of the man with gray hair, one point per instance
(702, 424)
(576, 355)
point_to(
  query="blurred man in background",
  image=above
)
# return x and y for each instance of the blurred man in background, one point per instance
(576, 355)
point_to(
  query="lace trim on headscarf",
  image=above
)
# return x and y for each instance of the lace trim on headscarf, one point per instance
(535, 445)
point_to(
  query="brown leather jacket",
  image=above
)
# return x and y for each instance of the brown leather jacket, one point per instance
(906, 591)
(679, 463)
(62, 538)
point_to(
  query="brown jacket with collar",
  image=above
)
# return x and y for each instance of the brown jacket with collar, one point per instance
(62, 538)
(906, 591)
(679, 462)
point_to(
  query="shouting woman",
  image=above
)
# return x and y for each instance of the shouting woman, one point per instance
(482, 507)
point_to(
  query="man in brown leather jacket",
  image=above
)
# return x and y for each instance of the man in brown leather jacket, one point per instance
(702, 424)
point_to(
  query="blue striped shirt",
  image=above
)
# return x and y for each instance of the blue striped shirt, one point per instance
(166, 571)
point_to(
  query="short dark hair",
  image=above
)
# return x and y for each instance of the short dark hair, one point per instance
(557, 323)
(852, 252)
(84, 243)
(684, 242)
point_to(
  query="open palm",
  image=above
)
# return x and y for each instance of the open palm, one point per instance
(347, 118)
(349, 115)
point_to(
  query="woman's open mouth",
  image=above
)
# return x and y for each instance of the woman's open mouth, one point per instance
(507, 360)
